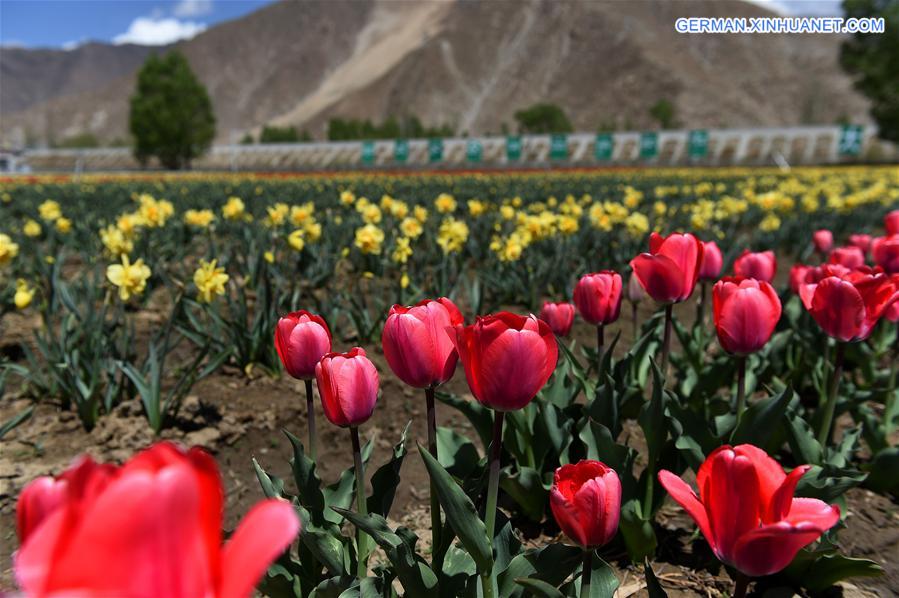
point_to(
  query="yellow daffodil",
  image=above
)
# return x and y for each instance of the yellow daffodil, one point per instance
(402, 251)
(234, 209)
(49, 210)
(130, 278)
(452, 235)
(116, 242)
(369, 239)
(8, 249)
(24, 294)
(445, 203)
(32, 228)
(63, 225)
(210, 281)
(199, 218)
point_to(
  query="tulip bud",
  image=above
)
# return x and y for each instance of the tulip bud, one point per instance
(348, 385)
(746, 312)
(885, 252)
(301, 339)
(586, 502)
(860, 240)
(559, 316)
(635, 292)
(746, 509)
(507, 358)
(850, 256)
(712, 261)
(598, 297)
(416, 344)
(891, 223)
(761, 265)
(823, 240)
(668, 273)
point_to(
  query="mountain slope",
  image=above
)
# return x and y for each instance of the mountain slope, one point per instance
(465, 63)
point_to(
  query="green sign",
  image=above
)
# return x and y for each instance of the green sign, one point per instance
(649, 145)
(400, 150)
(435, 150)
(368, 152)
(473, 150)
(698, 143)
(513, 148)
(604, 146)
(558, 147)
(851, 140)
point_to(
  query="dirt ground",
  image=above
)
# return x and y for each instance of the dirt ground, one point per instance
(238, 418)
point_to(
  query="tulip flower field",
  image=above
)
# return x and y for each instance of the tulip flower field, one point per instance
(537, 383)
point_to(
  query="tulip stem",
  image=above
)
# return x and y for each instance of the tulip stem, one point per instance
(700, 305)
(496, 448)
(634, 322)
(600, 342)
(831, 406)
(666, 340)
(310, 417)
(361, 537)
(436, 552)
(741, 584)
(586, 573)
(741, 387)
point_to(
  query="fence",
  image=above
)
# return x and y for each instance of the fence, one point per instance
(712, 147)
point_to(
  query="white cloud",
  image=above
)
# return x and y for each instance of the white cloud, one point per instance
(73, 45)
(192, 8)
(147, 31)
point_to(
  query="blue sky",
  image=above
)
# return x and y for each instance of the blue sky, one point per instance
(66, 23)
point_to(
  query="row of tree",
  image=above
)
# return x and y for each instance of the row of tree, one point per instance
(172, 117)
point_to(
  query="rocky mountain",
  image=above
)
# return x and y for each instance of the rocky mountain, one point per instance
(467, 63)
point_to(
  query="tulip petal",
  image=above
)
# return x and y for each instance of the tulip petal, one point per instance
(685, 497)
(782, 500)
(838, 308)
(659, 276)
(770, 473)
(731, 498)
(264, 533)
(568, 517)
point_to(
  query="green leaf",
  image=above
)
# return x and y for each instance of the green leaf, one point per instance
(460, 513)
(386, 479)
(526, 488)
(883, 471)
(762, 419)
(333, 587)
(817, 570)
(458, 455)
(15, 421)
(479, 416)
(552, 563)
(272, 487)
(603, 581)
(639, 537)
(306, 479)
(537, 587)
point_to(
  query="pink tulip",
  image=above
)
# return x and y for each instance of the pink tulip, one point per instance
(761, 265)
(823, 240)
(891, 223)
(860, 240)
(668, 273)
(559, 316)
(598, 297)
(885, 252)
(850, 256)
(712, 261)
(301, 338)
(586, 502)
(416, 345)
(635, 292)
(746, 312)
(507, 358)
(746, 509)
(348, 384)
(151, 527)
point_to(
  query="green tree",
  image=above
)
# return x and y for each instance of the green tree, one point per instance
(78, 141)
(873, 59)
(278, 135)
(663, 112)
(171, 114)
(543, 118)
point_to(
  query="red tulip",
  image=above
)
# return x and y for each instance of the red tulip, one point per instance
(847, 304)
(416, 345)
(302, 338)
(823, 240)
(747, 512)
(746, 311)
(348, 384)
(598, 297)
(892, 312)
(885, 252)
(860, 240)
(849, 256)
(761, 265)
(668, 273)
(151, 527)
(712, 260)
(586, 501)
(891, 223)
(559, 316)
(507, 358)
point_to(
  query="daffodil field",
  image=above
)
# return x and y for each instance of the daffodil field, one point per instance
(136, 288)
